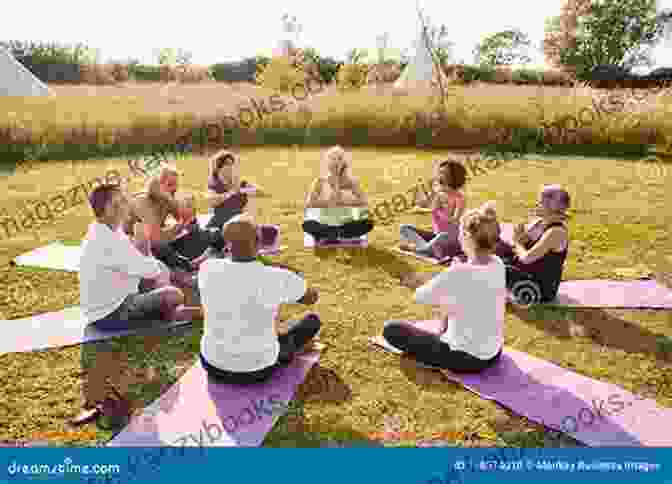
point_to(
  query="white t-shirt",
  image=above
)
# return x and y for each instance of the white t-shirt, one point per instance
(476, 297)
(110, 270)
(240, 300)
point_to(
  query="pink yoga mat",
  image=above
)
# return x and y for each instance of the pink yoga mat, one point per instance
(67, 327)
(198, 412)
(593, 412)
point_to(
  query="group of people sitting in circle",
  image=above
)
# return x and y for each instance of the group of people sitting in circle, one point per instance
(134, 268)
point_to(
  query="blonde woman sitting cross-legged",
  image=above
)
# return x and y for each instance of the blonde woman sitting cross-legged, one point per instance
(337, 191)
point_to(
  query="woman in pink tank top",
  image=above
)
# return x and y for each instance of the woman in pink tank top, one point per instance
(448, 204)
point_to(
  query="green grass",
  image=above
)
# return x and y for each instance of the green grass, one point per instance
(619, 221)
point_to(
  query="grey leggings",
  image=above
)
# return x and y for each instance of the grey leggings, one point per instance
(429, 243)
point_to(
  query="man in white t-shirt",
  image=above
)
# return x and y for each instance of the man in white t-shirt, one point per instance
(240, 297)
(110, 275)
(474, 292)
(112, 268)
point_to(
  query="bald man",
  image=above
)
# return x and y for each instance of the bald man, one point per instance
(176, 246)
(241, 343)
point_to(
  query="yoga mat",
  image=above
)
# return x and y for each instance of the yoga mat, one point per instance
(309, 242)
(67, 327)
(336, 215)
(644, 294)
(201, 412)
(593, 412)
(56, 256)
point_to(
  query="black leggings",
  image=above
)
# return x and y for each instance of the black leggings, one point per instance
(177, 253)
(428, 348)
(527, 288)
(349, 230)
(300, 333)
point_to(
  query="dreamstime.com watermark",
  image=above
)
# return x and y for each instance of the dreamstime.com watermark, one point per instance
(59, 469)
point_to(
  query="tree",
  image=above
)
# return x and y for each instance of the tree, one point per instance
(356, 56)
(614, 32)
(502, 48)
(166, 55)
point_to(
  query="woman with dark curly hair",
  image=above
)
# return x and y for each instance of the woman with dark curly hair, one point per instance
(447, 203)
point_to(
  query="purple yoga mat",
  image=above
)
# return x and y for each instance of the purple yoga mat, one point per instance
(67, 327)
(593, 412)
(199, 412)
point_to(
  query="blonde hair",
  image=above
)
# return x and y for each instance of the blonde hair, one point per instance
(335, 153)
(481, 226)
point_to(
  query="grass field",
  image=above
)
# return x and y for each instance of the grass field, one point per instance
(620, 221)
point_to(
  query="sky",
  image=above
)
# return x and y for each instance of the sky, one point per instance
(229, 31)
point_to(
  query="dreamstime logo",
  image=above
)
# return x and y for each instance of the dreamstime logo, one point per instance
(525, 293)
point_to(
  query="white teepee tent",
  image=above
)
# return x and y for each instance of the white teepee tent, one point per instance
(16, 80)
(420, 71)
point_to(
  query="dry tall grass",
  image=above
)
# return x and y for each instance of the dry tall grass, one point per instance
(389, 116)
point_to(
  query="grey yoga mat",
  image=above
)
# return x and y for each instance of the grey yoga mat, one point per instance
(67, 327)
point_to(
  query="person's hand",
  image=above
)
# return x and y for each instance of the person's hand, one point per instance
(520, 234)
(310, 297)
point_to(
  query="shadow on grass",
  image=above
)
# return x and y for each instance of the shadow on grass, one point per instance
(430, 380)
(601, 327)
(323, 385)
(370, 256)
(292, 430)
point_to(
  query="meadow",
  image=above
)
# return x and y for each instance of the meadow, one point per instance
(619, 228)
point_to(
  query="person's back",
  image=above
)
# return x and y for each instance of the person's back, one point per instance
(479, 295)
(472, 336)
(239, 333)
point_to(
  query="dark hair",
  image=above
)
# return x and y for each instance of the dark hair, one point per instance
(101, 196)
(214, 183)
(457, 171)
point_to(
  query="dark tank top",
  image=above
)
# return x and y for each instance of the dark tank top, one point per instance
(548, 269)
(229, 208)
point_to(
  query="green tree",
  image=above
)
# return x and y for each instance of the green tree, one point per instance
(506, 47)
(166, 55)
(615, 32)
